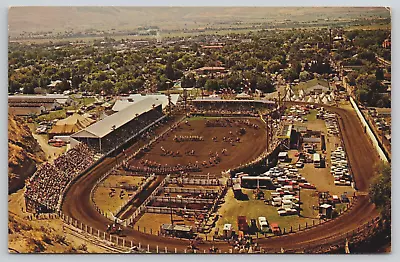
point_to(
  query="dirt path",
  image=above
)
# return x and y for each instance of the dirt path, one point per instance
(51, 152)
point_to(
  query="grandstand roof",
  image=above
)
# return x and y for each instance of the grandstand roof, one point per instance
(104, 127)
(120, 104)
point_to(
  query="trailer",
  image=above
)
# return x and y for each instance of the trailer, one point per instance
(242, 223)
(317, 160)
(263, 225)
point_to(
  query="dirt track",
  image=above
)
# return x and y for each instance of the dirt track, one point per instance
(362, 158)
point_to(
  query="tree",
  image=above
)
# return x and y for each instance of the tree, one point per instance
(304, 76)
(380, 192)
(273, 66)
(379, 74)
(169, 70)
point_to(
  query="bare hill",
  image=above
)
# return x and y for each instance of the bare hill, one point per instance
(82, 19)
(23, 153)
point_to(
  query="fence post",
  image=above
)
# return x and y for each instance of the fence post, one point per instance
(313, 222)
(157, 249)
(166, 250)
(175, 251)
(148, 248)
(85, 228)
(91, 230)
(110, 238)
(123, 242)
(291, 229)
(184, 251)
(104, 234)
(98, 233)
(140, 245)
(299, 227)
(306, 225)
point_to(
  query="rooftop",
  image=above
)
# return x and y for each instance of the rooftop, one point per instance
(103, 127)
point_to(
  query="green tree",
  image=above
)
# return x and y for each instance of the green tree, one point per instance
(380, 192)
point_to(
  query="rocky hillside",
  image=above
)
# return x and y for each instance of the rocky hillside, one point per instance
(23, 153)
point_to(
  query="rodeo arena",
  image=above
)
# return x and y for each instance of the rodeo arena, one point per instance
(184, 178)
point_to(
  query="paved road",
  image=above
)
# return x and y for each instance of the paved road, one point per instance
(362, 157)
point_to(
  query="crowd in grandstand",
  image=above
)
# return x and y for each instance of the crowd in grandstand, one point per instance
(227, 108)
(124, 133)
(226, 122)
(50, 180)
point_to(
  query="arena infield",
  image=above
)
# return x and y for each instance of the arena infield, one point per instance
(252, 144)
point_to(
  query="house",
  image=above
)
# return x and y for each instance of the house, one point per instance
(210, 69)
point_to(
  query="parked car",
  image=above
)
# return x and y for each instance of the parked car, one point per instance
(299, 164)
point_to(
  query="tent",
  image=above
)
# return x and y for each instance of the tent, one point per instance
(70, 125)
(310, 100)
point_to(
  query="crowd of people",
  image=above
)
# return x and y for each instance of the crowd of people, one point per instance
(129, 130)
(226, 108)
(50, 180)
(188, 138)
(159, 169)
(122, 134)
(226, 122)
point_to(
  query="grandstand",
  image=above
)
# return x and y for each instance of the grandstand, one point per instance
(45, 187)
(117, 129)
(218, 106)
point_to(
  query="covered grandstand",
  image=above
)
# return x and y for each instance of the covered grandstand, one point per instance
(218, 106)
(117, 129)
(124, 102)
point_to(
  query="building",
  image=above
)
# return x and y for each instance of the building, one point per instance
(124, 102)
(117, 129)
(210, 70)
(24, 105)
(70, 125)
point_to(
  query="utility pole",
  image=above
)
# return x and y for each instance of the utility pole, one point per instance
(170, 205)
(267, 132)
(169, 97)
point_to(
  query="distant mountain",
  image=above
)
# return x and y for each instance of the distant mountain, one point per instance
(81, 19)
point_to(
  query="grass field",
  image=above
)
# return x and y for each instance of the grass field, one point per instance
(312, 115)
(308, 84)
(60, 114)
